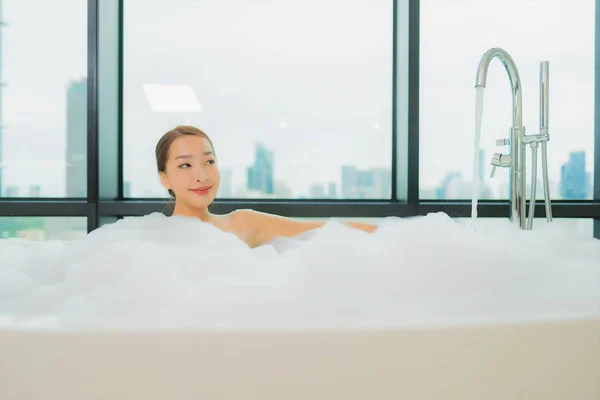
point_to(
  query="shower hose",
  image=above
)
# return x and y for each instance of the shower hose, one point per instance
(534, 147)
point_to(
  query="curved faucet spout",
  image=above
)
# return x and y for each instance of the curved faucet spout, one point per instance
(517, 153)
(513, 76)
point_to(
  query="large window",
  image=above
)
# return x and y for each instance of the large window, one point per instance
(296, 95)
(43, 68)
(310, 100)
(454, 36)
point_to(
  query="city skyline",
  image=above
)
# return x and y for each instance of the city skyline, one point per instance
(375, 183)
(372, 183)
(354, 183)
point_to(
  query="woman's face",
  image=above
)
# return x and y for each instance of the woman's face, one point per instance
(191, 171)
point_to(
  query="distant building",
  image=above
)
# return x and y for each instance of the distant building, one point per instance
(35, 191)
(12, 191)
(332, 192)
(453, 186)
(260, 175)
(366, 184)
(317, 191)
(77, 139)
(126, 189)
(573, 178)
(321, 191)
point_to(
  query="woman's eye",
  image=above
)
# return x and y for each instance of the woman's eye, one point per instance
(186, 165)
(211, 162)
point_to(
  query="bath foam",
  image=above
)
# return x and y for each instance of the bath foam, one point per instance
(155, 272)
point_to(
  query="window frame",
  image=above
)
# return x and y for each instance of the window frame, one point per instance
(105, 201)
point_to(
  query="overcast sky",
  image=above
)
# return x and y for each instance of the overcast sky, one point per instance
(322, 67)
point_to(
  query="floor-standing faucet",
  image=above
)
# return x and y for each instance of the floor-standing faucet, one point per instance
(515, 161)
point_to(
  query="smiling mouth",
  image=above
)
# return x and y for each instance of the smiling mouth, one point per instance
(202, 190)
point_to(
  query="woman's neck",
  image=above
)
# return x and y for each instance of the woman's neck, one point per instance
(185, 211)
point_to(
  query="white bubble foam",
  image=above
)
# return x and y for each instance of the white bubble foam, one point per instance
(155, 272)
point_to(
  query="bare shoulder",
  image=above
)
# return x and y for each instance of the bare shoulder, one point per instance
(265, 227)
(245, 223)
(242, 217)
(257, 219)
(248, 219)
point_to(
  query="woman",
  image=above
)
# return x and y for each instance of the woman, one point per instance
(186, 162)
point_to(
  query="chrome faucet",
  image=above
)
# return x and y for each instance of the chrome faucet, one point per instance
(518, 140)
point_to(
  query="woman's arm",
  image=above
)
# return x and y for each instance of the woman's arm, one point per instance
(269, 226)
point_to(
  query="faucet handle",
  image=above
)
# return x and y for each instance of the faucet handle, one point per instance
(502, 142)
(500, 160)
(493, 171)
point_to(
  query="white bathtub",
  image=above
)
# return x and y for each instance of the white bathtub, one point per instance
(545, 361)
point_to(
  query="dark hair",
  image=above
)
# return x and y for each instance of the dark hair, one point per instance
(164, 144)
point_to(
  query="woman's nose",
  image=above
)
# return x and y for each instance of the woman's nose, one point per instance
(201, 175)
